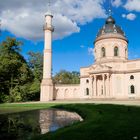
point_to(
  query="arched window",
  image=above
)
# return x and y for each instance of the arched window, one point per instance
(116, 51)
(126, 53)
(131, 77)
(132, 89)
(103, 52)
(87, 81)
(87, 91)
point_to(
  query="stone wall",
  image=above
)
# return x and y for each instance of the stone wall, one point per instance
(66, 91)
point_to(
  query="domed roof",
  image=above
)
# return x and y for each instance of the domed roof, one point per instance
(110, 29)
(110, 20)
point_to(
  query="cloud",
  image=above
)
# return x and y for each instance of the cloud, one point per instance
(132, 5)
(129, 16)
(64, 26)
(26, 18)
(90, 51)
(82, 46)
(116, 3)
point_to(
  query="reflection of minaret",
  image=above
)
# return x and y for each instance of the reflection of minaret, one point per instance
(45, 120)
(47, 84)
(52, 119)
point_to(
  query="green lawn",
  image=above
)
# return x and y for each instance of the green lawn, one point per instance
(12, 108)
(101, 122)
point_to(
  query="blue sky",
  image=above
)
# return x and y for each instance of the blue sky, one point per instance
(75, 32)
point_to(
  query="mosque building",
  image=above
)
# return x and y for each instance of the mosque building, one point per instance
(112, 76)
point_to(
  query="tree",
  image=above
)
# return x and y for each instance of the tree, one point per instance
(14, 71)
(36, 64)
(75, 77)
(65, 77)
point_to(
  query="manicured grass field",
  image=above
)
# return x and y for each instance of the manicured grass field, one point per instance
(101, 122)
(12, 108)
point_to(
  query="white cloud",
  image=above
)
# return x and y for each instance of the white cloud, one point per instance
(129, 16)
(133, 5)
(116, 3)
(64, 26)
(90, 51)
(82, 46)
(26, 18)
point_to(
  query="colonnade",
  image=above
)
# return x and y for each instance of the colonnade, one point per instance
(100, 85)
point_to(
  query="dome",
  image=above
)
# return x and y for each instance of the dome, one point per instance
(110, 20)
(110, 30)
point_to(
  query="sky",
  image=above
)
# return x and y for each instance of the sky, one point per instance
(76, 25)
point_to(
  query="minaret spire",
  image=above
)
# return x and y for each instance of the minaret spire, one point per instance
(110, 9)
(49, 5)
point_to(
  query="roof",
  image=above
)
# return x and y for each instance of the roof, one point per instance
(111, 30)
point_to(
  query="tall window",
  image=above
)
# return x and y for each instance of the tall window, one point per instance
(131, 77)
(87, 91)
(87, 81)
(116, 51)
(132, 89)
(126, 53)
(103, 52)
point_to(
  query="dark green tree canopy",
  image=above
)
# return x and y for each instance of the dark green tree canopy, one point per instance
(14, 70)
(65, 77)
(36, 64)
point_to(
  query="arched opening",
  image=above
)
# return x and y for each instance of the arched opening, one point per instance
(132, 89)
(116, 51)
(56, 91)
(103, 53)
(87, 81)
(66, 94)
(131, 77)
(87, 91)
(126, 53)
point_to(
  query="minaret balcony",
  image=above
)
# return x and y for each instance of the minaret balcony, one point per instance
(48, 27)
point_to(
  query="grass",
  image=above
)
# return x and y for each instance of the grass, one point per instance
(12, 108)
(101, 122)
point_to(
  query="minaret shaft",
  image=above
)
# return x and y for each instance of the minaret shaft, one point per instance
(47, 55)
(47, 84)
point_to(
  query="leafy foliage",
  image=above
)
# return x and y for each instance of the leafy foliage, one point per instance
(14, 70)
(36, 64)
(65, 77)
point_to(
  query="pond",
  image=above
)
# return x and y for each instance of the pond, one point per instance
(24, 125)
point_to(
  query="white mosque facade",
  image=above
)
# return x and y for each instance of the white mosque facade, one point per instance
(112, 76)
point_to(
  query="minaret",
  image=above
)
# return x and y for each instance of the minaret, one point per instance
(47, 83)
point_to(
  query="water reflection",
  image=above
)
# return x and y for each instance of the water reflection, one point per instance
(21, 126)
(51, 120)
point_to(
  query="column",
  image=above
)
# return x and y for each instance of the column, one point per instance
(91, 85)
(108, 85)
(103, 77)
(96, 90)
(95, 86)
